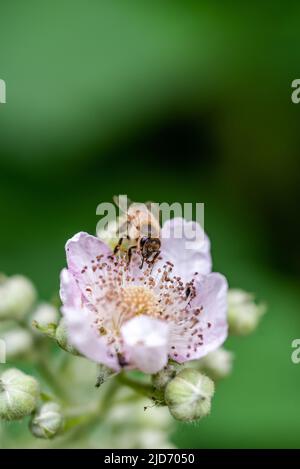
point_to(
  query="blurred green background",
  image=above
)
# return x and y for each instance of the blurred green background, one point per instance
(182, 101)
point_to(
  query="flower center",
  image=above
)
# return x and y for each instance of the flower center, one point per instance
(138, 300)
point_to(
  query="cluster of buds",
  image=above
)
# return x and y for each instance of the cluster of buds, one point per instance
(20, 393)
(20, 397)
(18, 310)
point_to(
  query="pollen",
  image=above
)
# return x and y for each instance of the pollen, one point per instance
(138, 300)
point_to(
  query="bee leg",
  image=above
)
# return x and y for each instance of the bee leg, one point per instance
(118, 246)
(130, 250)
(154, 259)
(142, 264)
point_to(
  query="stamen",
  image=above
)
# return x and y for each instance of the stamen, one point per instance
(116, 295)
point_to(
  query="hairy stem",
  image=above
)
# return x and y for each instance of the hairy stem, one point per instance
(83, 423)
(145, 389)
(51, 379)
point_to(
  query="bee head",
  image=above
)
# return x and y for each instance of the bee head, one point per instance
(149, 246)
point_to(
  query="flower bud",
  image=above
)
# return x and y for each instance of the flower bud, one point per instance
(47, 421)
(161, 379)
(217, 364)
(189, 394)
(17, 295)
(18, 394)
(45, 314)
(243, 313)
(61, 337)
(17, 341)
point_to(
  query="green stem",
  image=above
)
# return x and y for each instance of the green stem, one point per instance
(144, 389)
(78, 425)
(80, 422)
(51, 379)
(138, 386)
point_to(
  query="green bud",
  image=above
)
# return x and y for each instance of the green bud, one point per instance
(217, 364)
(45, 314)
(49, 330)
(61, 337)
(19, 394)
(47, 421)
(243, 313)
(18, 342)
(17, 296)
(189, 394)
(161, 379)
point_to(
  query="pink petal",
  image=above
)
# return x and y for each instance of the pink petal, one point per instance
(185, 244)
(69, 292)
(79, 321)
(196, 339)
(146, 343)
(83, 251)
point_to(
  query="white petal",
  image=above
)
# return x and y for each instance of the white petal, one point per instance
(79, 321)
(211, 295)
(83, 251)
(146, 342)
(69, 292)
(185, 244)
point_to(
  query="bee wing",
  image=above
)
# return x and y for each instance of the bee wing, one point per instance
(137, 215)
(143, 207)
(123, 227)
(153, 208)
(149, 203)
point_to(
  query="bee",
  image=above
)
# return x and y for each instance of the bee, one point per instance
(141, 229)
